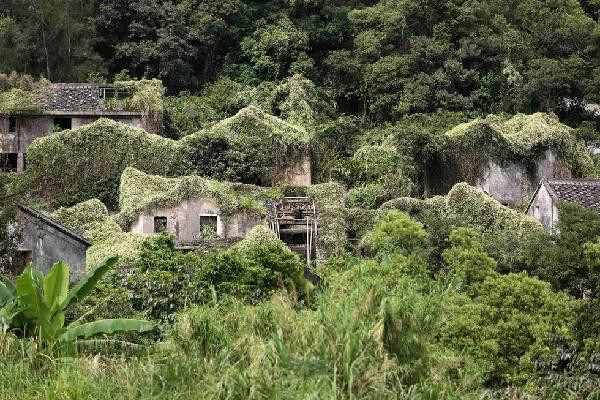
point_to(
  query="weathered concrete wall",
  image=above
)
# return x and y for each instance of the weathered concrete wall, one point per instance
(184, 221)
(50, 245)
(509, 184)
(27, 130)
(543, 209)
(298, 174)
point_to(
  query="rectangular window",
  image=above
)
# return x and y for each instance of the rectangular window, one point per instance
(12, 125)
(536, 212)
(208, 227)
(160, 224)
(8, 162)
(62, 124)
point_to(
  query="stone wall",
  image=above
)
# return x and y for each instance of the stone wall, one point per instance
(49, 245)
(184, 221)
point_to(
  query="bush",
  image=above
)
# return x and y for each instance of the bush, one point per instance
(505, 326)
(396, 232)
(467, 257)
(560, 257)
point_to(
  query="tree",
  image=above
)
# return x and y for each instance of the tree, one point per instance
(560, 258)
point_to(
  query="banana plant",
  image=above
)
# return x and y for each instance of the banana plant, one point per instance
(37, 304)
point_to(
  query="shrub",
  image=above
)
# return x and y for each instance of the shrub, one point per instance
(505, 326)
(560, 257)
(396, 232)
(467, 257)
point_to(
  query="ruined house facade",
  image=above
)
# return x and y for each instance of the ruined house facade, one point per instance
(45, 242)
(196, 220)
(550, 191)
(61, 106)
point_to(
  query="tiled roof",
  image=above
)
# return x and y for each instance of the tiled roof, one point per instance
(583, 192)
(72, 97)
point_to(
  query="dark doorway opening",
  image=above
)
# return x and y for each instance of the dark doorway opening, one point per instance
(63, 123)
(8, 162)
(23, 259)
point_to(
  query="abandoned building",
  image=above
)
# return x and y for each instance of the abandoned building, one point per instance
(61, 106)
(45, 242)
(543, 204)
(195, 220)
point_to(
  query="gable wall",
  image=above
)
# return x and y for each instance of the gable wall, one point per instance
(543, 209)
(49, 245)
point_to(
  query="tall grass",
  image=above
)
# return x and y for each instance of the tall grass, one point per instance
(361, 343)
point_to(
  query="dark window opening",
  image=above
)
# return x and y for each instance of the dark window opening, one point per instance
(63, 123)
(8, 162)
(160, 224)
(208, 227)
(12, 125)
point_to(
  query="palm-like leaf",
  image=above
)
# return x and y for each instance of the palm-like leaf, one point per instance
(107, 327)
(88, 282)
(8, 292)
(56, 286)
(30, 287)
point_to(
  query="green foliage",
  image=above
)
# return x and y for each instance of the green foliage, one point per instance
(163, 281)
(38, 306)
(250, 147)
(520, 139)
(567, 257)
(396, 232)
(87, 162)
(506, 324)
(368, 196)
(82, 217)
(143, 95)
(467, 258)
(331, 219)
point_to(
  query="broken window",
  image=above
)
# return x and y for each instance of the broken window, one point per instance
(24, 259)
(208, 227)
(8, 162)
(160, 224)
(12, 125)
(62, 124)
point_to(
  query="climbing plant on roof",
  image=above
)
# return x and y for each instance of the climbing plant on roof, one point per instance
(251, 147)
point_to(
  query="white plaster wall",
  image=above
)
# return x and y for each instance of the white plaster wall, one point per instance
(543, 209)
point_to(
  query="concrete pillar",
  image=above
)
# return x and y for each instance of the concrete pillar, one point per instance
(20, 162)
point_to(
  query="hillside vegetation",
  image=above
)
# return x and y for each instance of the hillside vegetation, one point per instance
(427, 287)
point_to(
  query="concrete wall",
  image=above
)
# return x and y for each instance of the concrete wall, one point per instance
(184, 221)
(543, 209)
(298, 174)
(509, 184)
(50, 245)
